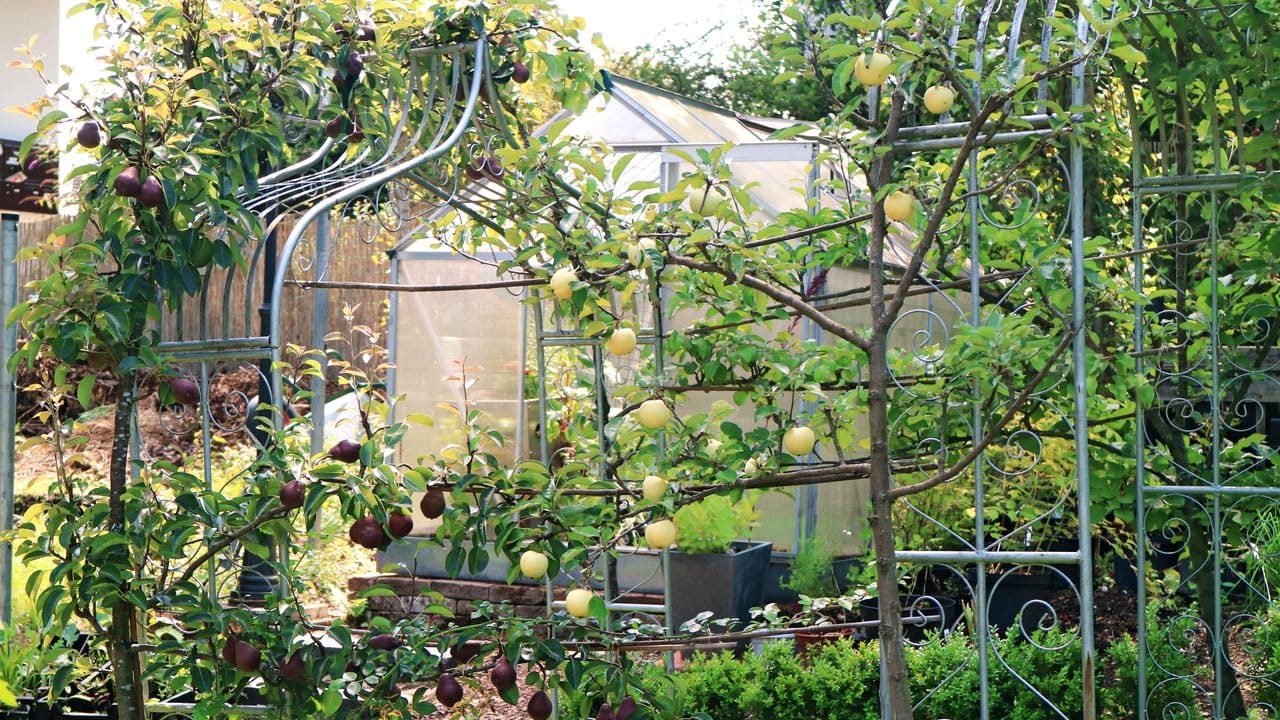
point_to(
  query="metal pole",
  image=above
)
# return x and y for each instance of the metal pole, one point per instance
(319, 324)
(8, 403)
(1080, 377)
(257, 576)
(1140, 426)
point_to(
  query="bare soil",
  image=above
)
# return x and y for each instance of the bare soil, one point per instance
(167, 433)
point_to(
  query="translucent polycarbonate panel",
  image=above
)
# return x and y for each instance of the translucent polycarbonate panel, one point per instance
(723, 123)
(437, 335)
(634, 310)
(776, 185)
(776, 175)
(611, 120)
(643, 167)
(701, 127)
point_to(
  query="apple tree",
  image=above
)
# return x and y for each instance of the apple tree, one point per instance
(933, 410)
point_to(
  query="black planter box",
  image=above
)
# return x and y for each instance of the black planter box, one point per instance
(70, 709)
(914, 606)
(728, 584)
(1028, 595)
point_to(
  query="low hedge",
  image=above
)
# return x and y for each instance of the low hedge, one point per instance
(841, 682)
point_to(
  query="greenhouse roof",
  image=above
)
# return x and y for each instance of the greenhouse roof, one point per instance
(651, 122)
(659, 127)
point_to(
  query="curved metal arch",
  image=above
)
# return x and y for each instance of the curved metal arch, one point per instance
(378, 176)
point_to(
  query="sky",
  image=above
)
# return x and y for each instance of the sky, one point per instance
(627, 24)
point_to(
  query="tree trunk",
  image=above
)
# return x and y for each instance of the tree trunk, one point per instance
(895, 700)
(126, 663)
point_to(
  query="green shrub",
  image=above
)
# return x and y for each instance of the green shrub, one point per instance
(713, 523)
(842, 681)
(846, 681)
(1050, 662)
(944, 677)
(718, 685)
(1170, 672)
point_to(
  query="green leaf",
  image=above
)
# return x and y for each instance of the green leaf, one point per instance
(598, 610)
(331, 701)
(790, 132)
(84, 390)
(510, 695)
(1129, 54)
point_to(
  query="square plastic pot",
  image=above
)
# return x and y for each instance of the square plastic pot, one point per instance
(728, 584)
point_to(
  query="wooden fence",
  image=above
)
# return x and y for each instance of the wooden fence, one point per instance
(231, 307)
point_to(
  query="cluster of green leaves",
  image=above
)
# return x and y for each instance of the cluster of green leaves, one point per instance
(812, 572)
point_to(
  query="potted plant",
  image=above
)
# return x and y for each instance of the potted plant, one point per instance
(814, 579)
(712, 568)
(813, 570)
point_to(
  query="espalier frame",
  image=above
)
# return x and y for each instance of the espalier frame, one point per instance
(366, 188)
(1205, 340)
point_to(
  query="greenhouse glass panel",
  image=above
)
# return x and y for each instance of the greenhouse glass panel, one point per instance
(437, 332)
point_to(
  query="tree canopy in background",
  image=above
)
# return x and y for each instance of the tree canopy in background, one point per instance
(767, 73)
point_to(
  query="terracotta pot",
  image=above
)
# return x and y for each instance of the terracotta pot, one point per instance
(812, 640)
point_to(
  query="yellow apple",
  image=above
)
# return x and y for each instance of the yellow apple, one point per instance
(750, 467)
(533, 564)
(872, 69)
(939, 99)
(654, 487)
(661, 534)
(799, 440)
(899, 206)
(621, 342)
(706, 200)
(713, 446)
(562, 283)
(636, 254)
(578, 602)
(653, 414)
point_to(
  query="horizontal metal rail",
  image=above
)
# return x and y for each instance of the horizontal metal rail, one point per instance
(957, 557)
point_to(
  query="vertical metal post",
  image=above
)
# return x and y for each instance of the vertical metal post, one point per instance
(670, 176)
(8, 403)
(522, 402)
(257, 576)
(1080, 376)
(983, 630)
(1140, 425)
(810, 331)
(543, 449)
(393, 332)
(319, 325)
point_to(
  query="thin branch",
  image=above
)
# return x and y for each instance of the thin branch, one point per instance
(789, 299)
(395, 287)
(806, 232)
(927, 237)
(224, 542)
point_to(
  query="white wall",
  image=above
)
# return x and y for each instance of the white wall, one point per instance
(22, 19)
